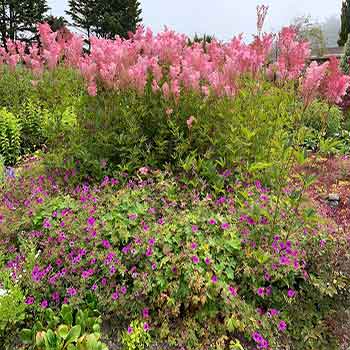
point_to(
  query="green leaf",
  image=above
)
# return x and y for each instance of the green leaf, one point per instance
(63, 331)
(73, 334)
(259, 166)
(26, 336)
(50, 339)
(67, 315)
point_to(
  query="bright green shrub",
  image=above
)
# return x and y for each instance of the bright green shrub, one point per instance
(2, 169)
(322, 117)
(127, 131)
(136, 338)
(33, 119)
(10, 137)
(70, 329)
(12, 310)
(15, 88)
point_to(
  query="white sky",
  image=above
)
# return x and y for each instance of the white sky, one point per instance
(222, 18)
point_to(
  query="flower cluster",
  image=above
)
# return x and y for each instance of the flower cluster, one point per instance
(168, 65)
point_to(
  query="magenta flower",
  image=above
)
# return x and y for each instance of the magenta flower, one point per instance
(195, 259)
(194, 228)
(132, 216)
(261, 291)
(145, 312)
(233, 291)
(55, 296)
(212, 222)
(146, 327)
(161, 221)
(273, 312)
(214, 279)
(149, 251)
(291, 293)
(282, 326)
(207, 261)
(30, 300)
(257, 337)
(250, 221)
(44, 304)
(130, 330)
(115, 295)
(71, 292)
(91, 221)
(106, 244)
(123, 290)
(194, 246)
(46, 223)
(284, 260)
(225, 226)
(267, 276)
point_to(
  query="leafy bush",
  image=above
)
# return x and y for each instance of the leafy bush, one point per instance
(136, 337)
(70, 329)
(12, 309)
(10, 137)
(127, 131)
(345, 59)
(248, 265)
(323, 118)
(33, 120)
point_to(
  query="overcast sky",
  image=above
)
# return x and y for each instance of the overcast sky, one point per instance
(223, 18)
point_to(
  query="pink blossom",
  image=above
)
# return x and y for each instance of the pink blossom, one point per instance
(190, 121)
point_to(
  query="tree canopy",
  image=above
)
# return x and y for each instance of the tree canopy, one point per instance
(105, 19)
(18, 18)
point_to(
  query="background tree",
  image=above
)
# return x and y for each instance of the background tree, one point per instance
(56, 23)
(344, 64)
(84, 14)
(312, 32)
(18, 18)
(331, 29)
(117, 17)
(345, 23)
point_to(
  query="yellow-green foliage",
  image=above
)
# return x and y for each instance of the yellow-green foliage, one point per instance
(136, 338)
(32, 118)
(12, 304)
(10, 137)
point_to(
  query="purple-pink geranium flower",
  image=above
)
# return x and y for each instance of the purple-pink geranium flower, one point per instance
(195, 259)
(282, 326)
(291, 293)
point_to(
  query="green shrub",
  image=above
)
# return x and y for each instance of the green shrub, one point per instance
(12, 310)
(33, 120)
(136, 337)
(70, 329)
(126, 131)
(10, 137)
(344, 64)
(194, 259)
(323, 118)
(15, 88)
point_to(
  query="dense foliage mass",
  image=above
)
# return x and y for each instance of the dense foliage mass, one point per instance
(165, 206)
